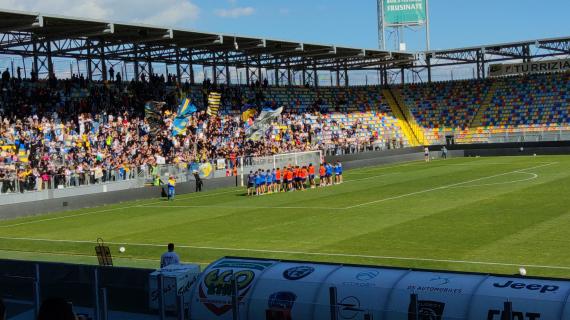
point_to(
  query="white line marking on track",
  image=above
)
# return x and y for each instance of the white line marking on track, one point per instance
(324, 254)
(445, 187)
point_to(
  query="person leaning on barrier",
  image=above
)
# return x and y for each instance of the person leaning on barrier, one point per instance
(169, 257)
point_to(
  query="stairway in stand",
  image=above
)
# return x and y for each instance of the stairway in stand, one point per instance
(402, 121)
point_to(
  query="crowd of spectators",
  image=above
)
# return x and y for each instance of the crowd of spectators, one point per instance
(61, 133)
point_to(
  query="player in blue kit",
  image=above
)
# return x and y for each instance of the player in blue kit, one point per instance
(268, 181)
(328, 173)
(338, 172)
(258, 179)
(262, 179)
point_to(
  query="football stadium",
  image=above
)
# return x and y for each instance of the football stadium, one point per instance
(154, 172)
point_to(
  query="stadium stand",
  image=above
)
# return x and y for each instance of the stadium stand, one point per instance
(528, 104)
(63, 133)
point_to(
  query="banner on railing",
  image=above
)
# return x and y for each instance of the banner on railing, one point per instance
(547, 66)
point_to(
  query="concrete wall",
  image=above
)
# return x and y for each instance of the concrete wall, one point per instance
(39, 206)
(13, 198)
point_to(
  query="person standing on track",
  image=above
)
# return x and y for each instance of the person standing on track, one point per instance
(250, 184)
(169, 257)
(171, 188)
(444, 153)
(426, 154)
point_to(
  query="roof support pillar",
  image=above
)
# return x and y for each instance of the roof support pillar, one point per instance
(102, 59)
(428, 63)
(277, 65)
(178, 71)
(289, 82)
(402, 75)
(259, 76)
(89, 61)
(228, 76)
(191, 66)
(315, 74)
(346, 82)
(337, 75)
(247, 70)
(149, 64)
(50, 61)
(137, 75)
(214, 69)
(35, 66)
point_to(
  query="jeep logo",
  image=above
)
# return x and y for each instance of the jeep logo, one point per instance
(533, 287)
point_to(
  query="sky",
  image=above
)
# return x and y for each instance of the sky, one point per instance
(454, 23)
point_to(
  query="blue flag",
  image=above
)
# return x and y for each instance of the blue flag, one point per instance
(186, 108)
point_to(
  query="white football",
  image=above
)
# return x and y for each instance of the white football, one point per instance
(522, 271)
(122, 249)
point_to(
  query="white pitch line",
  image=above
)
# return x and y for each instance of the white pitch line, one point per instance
(372, 177)
(445, 187)
(108, 210)
(324, 254)
(242, 207)
(532, 177)
(88, 256)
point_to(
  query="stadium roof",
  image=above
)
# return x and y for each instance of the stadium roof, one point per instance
(94, 39)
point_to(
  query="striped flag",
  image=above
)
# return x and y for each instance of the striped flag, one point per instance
(214, 101)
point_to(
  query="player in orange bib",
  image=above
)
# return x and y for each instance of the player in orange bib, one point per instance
(311, 175)
(277, 180)
(322, 176)
(304, 175)
(290, 179)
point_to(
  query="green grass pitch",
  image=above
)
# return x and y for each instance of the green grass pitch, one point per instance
(466, 214)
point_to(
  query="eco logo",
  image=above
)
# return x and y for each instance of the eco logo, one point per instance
(297, 273)
(217, 287)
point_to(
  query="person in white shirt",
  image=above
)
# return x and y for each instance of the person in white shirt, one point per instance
(169, 257)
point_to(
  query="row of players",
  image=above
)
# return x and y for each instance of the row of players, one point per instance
(292, 178)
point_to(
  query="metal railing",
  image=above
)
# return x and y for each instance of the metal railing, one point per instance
(11, 183)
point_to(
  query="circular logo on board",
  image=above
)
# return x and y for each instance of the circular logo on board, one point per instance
(367, 275)
(297, 273)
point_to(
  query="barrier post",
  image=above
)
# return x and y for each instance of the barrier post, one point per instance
(333, 303)
(508, 311)
(180, 306)
(235, 302)
(413, 309)
(104, 301)
(97, 310)
(160, 287)
(37, 301)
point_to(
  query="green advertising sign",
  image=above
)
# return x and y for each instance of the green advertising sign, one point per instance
(400, 12)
